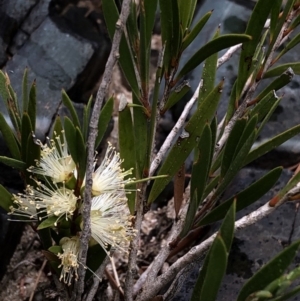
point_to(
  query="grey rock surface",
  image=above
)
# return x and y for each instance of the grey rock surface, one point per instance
(54, 60)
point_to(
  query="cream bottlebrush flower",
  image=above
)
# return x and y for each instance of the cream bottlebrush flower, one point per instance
(110, 221)
(109, 176)
(55, 161)
(25, 205)
(55, 201)
(69, 259)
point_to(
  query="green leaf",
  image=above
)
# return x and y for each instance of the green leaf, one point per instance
(32, 105)
(70, 132)
(176, 95)
(26, 133)
(81, 152)
(184, 145)
(170, 31)
(215, 263)
(269, 272)
(186, 13)
(111, 16)
(278, 70)
(274, 18)
(279, 24)
(271, 144)
(127, 148)
(68, 103)
(254, 29)
(33, 153)
(9, 138)
(104, 119)
(209, 72)
(199, 176)
(277, 84)
(236, 164)
(190, 37)
(289, 295)
(207, 288)
(244, 198)
(231, 144)
(86, 119)
(48, 222)
(13, 162)
(227, 228)
(290, 45)
(25, 90)
(147, 18)
(6, 199)
(210, 48)
(141, 132)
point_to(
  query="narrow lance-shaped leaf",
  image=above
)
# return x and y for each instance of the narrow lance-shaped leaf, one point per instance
(127, 147)
(278, 70)
(269, 272)
(186, 12)
(280, 21)
(190, 37)
(104, 119)
(271, 144)
(68, 103)
(210, 48)
(277, 84)
(86, 118)
(26, 132)
(25, 97)
(81, 153)
(244, 198)
(215, 263)
(6, 198)
(13, 162)
(254, 29)
(141, 132)
(147, 18)
(32, 105)
(236, 165)
(209, 72)
(111, 16)
(187, 142)
(70, 133)
(290, 45)
(274, 18)
(9, 138)
(176, 95)
(231, 144)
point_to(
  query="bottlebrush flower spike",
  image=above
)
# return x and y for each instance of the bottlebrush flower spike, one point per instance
(25, 205)
(57, 201)
(54, 201)
(69, 259)
(109, 176)
(110, 221)
(55, 161)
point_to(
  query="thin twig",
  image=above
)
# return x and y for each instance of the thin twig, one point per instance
(134, 245)
(197, 251)
(228, 54)
(37, 279)
(99, 274)
(93, 127)
(171, 137)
